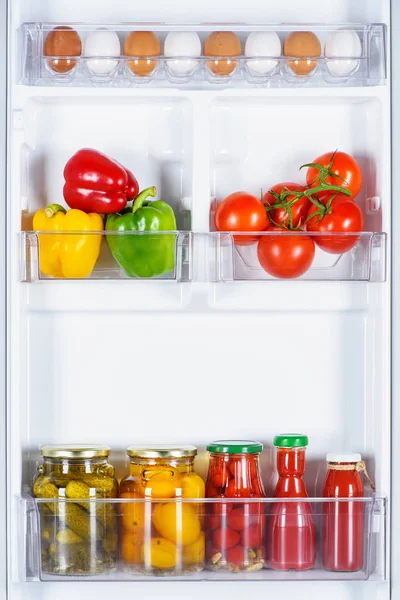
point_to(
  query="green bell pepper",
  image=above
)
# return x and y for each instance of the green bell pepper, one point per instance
(143, 255)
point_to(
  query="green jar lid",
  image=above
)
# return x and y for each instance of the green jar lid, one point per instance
(291, 440)
(235, 447)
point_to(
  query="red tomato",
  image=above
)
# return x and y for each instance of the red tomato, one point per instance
(290, 212)
(211, 491)
(221, 508)
(285, 255)
(213, 522)
(217, 513)
(225, 538)
(220, 477)
(340, 169)
(245, 516)
(241, 212)
(237, 519)
(237, 556)
(343, 215)
(252, 536)
(238, 466)
(234, 489)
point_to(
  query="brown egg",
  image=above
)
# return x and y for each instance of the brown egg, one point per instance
(142, 43)
(62, 41)
(302, 43)
(222, 43)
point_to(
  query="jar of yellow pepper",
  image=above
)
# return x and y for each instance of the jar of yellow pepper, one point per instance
(78, 527)
(161, 534)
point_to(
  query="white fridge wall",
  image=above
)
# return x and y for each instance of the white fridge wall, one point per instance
(216, 348)
(311, 11)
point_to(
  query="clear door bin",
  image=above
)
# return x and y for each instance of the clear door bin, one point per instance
(136, 255)
(81, 54)
(203, 257)
(366, 261)
(217, 521)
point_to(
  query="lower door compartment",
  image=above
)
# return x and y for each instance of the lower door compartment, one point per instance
(46, 556)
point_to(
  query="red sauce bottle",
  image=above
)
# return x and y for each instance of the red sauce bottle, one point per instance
(343, 545)
(235, 529)
(291, 524)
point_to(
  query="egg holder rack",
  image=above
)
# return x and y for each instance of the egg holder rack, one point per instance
(219, 257)
(368, 69)
(373, 512)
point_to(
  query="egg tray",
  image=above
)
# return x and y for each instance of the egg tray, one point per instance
(367, 68)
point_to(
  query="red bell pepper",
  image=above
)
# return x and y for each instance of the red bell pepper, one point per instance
(96, 183)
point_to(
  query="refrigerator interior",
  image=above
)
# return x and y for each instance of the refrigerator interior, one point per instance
(219, 356)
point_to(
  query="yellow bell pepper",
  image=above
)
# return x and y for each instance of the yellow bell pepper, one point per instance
(71, 256)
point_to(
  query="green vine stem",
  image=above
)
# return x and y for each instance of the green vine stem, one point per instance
(311, 193)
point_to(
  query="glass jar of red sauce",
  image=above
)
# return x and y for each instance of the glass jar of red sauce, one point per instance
(291, 537)
(343, 543)
(235, 529)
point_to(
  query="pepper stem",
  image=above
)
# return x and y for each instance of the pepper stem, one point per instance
(53, 209)
(141, 198)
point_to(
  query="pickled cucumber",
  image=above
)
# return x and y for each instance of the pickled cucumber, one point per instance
(79, 537)
(67, 536)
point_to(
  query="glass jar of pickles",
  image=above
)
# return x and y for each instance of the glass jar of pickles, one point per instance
(78, 527)
(235, 529)
(161, 534)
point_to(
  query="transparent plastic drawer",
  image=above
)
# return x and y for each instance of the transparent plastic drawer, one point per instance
(143, 255)
(366, 261)
(195, 257)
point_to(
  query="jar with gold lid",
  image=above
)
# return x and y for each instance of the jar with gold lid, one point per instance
(161, 533)
(77, 537)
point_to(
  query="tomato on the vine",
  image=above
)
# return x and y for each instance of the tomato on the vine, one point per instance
(284, 208)
(335, 168)
(241, 212)
(287, 254)
(336, 214)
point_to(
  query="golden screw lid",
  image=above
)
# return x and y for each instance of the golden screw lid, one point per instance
(161, 451)
(75, 451)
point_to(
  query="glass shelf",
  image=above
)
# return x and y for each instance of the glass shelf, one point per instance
(204, 257)
(44, 552)
(365, 66)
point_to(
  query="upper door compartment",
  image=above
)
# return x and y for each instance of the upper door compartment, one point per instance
(203, 55)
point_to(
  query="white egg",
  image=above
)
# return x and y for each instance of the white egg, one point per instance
(185, 44)
(344, 43)
(262, 43)
(102, 43)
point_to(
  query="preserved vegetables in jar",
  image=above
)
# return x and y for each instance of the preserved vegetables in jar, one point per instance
(161, 535)
(77, 538)
(291, 525)
(343, 542)
(234, 530)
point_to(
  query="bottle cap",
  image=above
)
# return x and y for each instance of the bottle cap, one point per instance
(235, 447)
(332, 457)
(161, 451)
(291, 440)
(66, 451)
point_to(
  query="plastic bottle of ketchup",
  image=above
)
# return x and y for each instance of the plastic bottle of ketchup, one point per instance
(291, 528)
(343, 544)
